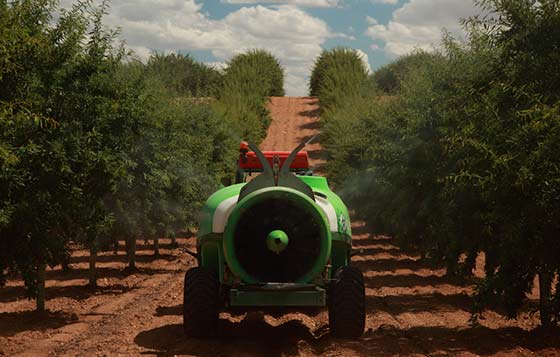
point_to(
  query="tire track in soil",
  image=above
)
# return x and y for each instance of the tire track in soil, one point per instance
(100, 321)
(131, 312)
(412, 308)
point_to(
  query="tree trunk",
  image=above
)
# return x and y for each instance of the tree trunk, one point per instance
(127, 247)
(92, 262)
(132, 253)
(65, 265)
(470, 262)
(41, 271)
(173, 240)
(116, 247)
(545, 285)
(156, 246)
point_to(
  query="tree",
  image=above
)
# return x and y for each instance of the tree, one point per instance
(249, 80)
(57, 163)
(462, 160)
(267, 71)
(338, 72)
(388, 78)
(178, 154)
(183, 76)
(92, 149)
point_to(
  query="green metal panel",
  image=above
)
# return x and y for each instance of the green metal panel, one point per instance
(343, 237)
(214, 254)
(339, 255)
(211, 254)
(315, 297)
(321, 186)
(207, 214)
(316, 182)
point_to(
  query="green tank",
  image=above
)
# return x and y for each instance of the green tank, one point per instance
(282, 239)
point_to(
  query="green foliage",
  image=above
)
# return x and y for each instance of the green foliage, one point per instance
(337, 75)
(184, 76)
(249, 80)
(257, 68)
(177, 157)
(52, 142)
(92, 149)
(388, 78)
(340, 79)
(464, 158)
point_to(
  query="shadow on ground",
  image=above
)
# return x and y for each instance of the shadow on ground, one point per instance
(407, 280)
(317, 154)
(104, 272)
(389, 268)
(76, 292)
(247, 337)
(314, 125)
(121, 258)
(250, 337)
(12, 323)
(453, 341)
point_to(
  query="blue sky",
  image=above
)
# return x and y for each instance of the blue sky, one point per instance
(348, 18)
(295, 31)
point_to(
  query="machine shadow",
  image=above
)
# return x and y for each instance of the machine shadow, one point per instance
(252, 337)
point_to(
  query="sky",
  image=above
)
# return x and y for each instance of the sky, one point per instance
(295, 31)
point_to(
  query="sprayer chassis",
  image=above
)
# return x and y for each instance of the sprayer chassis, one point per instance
(213, 253)
(278, 241)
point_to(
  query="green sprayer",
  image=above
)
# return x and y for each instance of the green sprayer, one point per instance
(281, 240)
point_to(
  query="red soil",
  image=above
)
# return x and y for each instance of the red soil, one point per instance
(295, 119)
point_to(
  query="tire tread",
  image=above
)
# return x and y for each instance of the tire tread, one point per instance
(200, 302)
(347, 303)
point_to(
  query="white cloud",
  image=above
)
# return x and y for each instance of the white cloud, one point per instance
(303, 3)
(365, 59)
(287, 31)
(141, 52)
(220, 66)
(371, 21)
(392, 2)
(419, 24)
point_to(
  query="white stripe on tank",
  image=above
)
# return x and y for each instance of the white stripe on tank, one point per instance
(224, 209)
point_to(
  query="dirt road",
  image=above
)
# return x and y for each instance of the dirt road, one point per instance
(412, 309)
(295, 119)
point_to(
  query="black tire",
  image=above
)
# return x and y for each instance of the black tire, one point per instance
(201, 302)
(347, 305)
